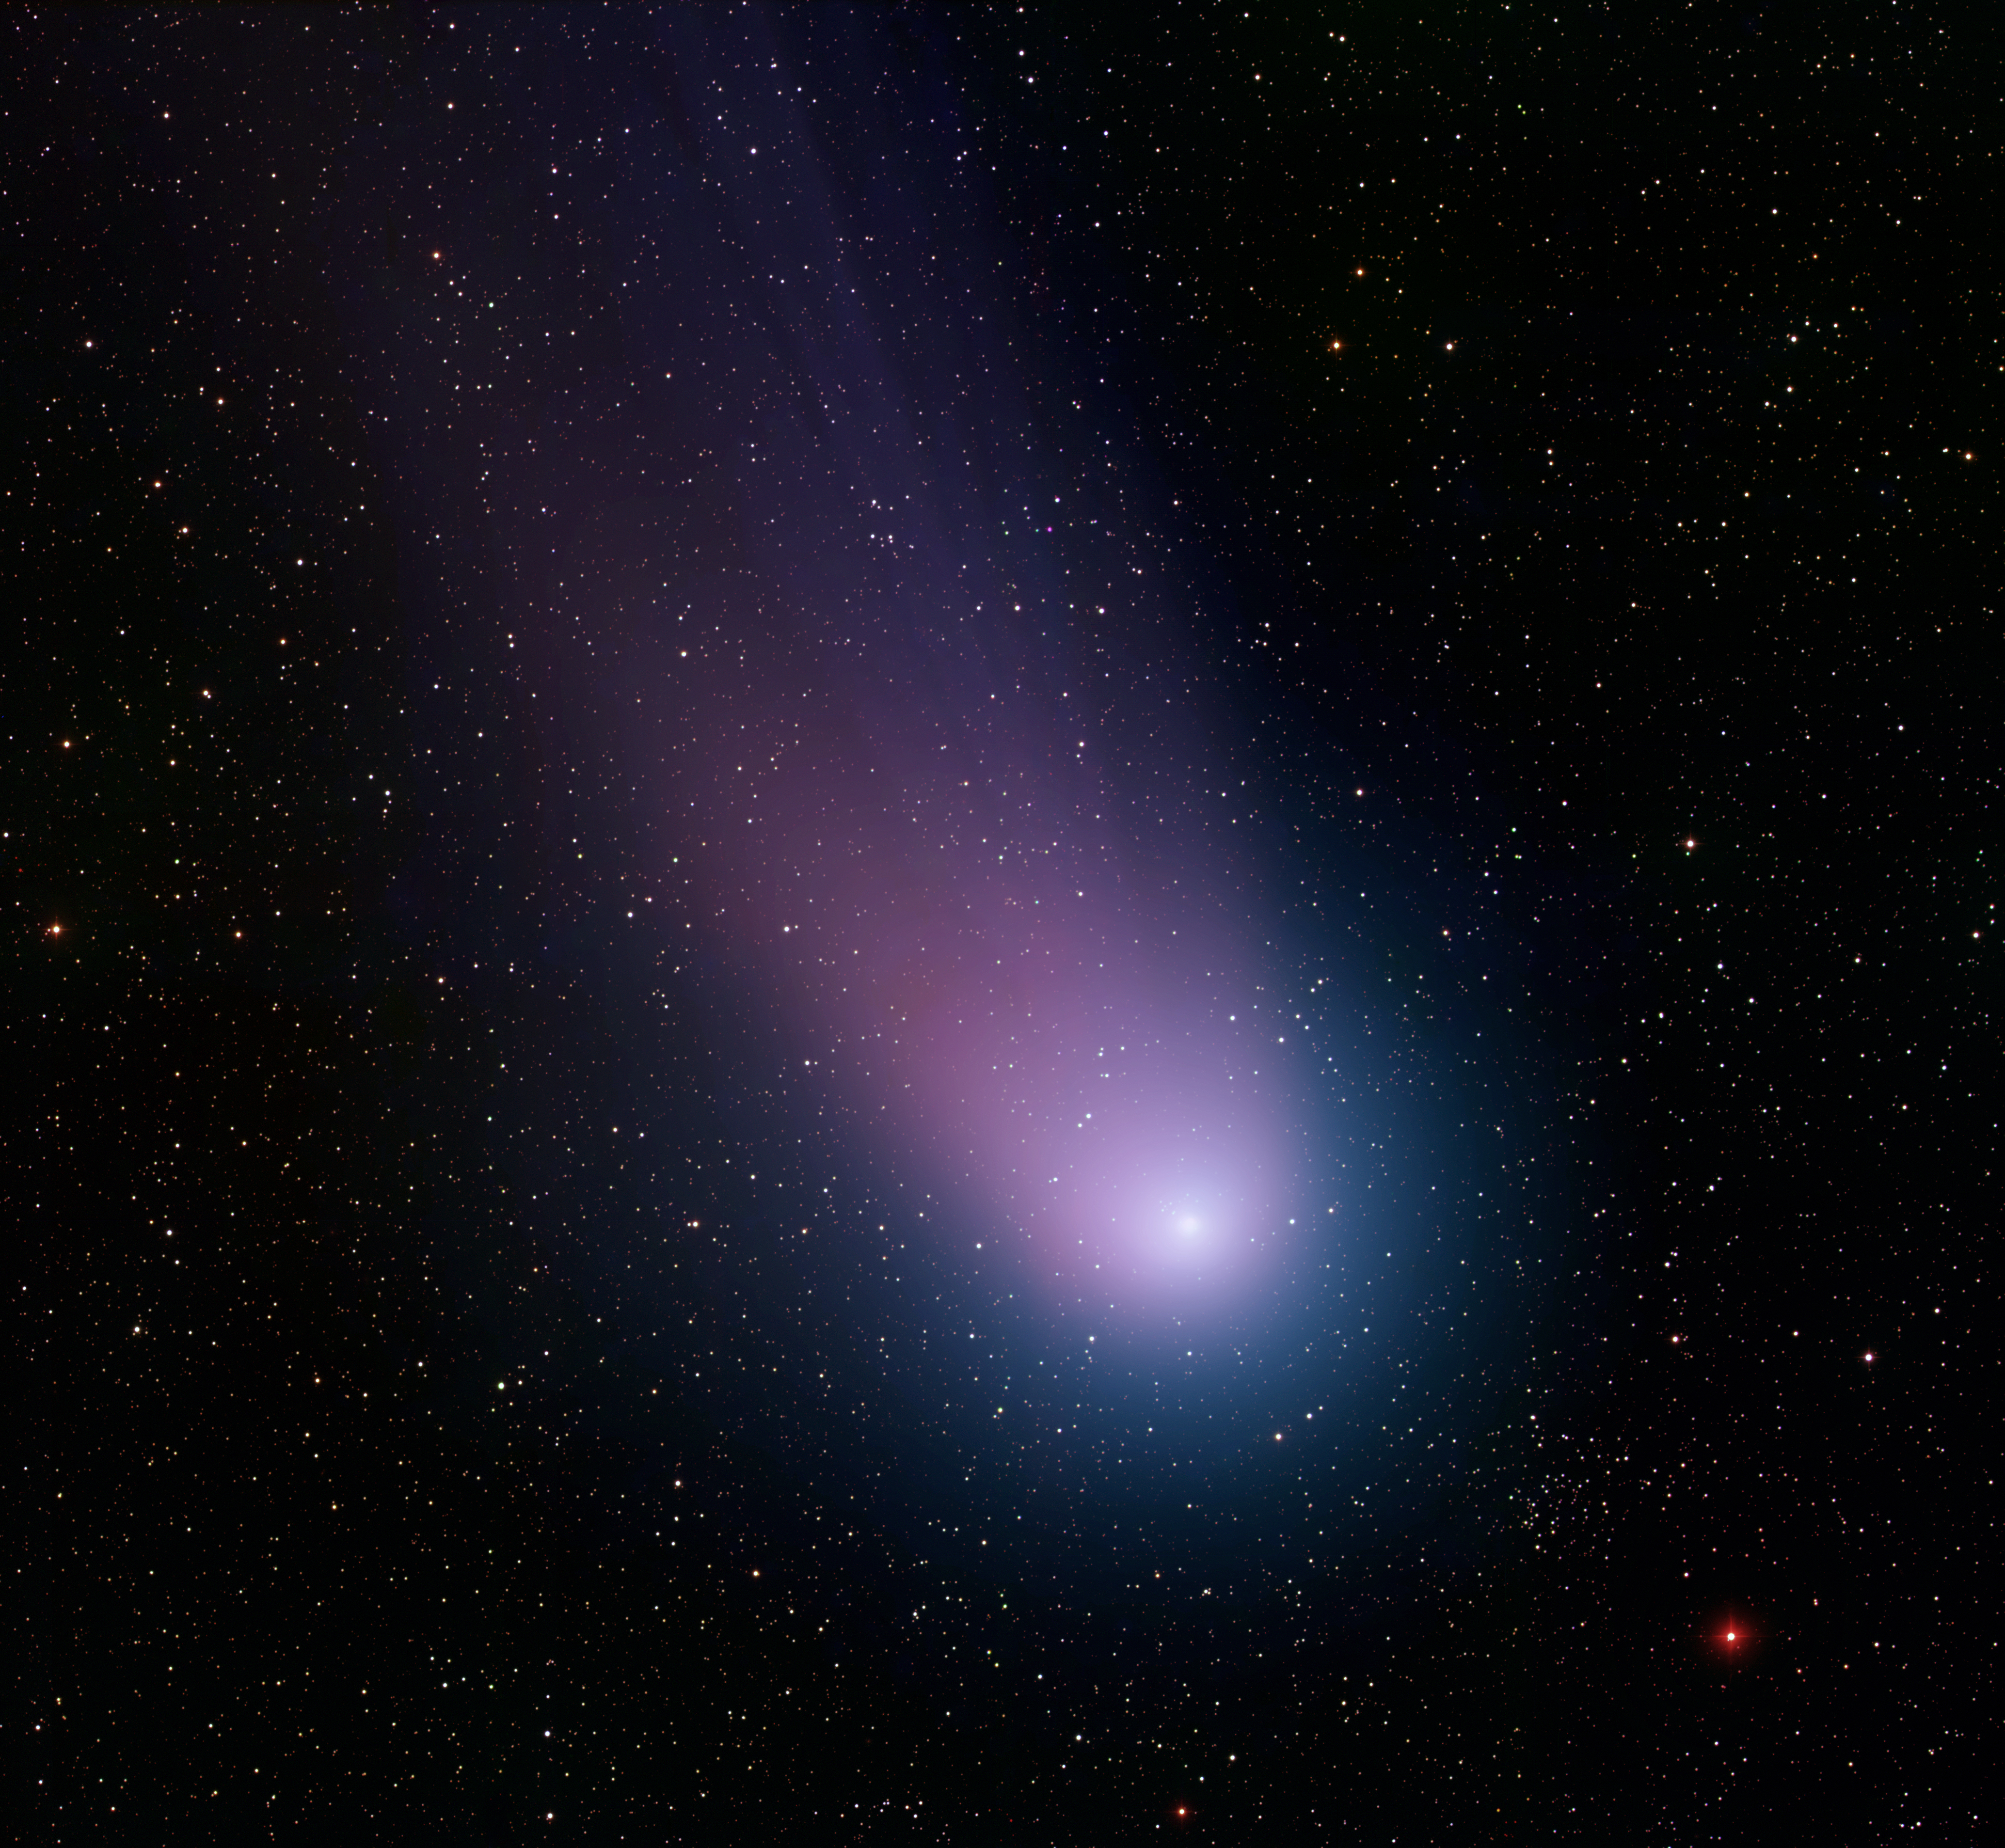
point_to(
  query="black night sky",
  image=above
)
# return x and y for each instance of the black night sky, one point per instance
(1054, 926)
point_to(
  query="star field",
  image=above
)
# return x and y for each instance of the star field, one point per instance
(973, 925)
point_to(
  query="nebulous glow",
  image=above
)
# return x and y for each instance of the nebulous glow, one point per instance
(1062, 1061)
(1176, 1181)
(936, 767)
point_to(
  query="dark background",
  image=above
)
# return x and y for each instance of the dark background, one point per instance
(1582, 421)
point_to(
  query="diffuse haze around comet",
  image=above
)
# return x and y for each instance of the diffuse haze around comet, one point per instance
(854, 741)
